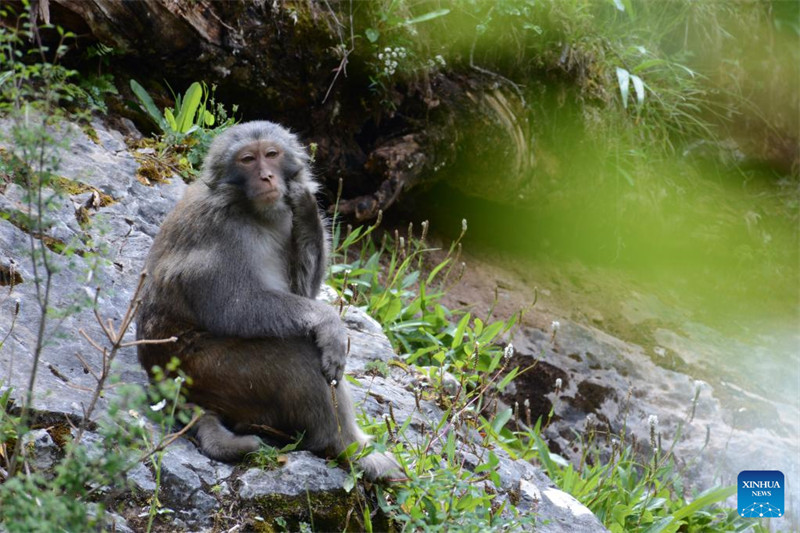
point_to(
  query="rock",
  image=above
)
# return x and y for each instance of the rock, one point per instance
(188, 478)
(141, 478)
(45, 451)
(302, 472)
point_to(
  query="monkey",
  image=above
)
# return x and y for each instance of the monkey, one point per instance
(233, 273)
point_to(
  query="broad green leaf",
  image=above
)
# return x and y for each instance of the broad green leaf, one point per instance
(372, 34)
(147, 103)
(501, 419)
(188, 109)
(638, 87)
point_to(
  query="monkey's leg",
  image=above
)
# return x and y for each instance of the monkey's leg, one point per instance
(276, 386)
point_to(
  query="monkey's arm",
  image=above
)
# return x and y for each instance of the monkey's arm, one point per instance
(242, 309)
(309, 244)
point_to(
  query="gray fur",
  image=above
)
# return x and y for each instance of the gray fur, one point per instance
(235, 281)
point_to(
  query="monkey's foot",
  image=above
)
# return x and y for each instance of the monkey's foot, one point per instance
(219, 443)
(379, 466)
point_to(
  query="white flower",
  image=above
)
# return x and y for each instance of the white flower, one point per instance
(508, 351)
(555, 325)
(463, 224)
(652, 420)
(558, 383)
(159, 406)
(179, 380)
(334, 382)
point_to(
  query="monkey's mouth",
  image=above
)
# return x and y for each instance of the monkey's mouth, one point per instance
(267, 196)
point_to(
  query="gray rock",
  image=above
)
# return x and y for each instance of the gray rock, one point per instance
(303, 472)
(188, 479)
(141, 478)
(45, 452)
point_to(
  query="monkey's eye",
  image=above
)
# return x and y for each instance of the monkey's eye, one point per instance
(247, 158)
(271, 153)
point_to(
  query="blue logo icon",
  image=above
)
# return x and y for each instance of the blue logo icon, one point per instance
(760, 493)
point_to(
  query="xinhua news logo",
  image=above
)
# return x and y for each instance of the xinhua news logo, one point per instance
(760, 494)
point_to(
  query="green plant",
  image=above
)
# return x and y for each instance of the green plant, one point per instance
(190, 127)
(269, 457)
(190, 113)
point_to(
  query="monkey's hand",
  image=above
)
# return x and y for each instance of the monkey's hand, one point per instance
(301, 199)
(331, 337)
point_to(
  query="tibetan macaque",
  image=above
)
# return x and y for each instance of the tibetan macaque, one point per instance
(233, 274)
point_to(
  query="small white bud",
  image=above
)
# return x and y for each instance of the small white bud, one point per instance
(159, 406)
(527, 403)
(463, 224)
(555, 325)
(508, 351)
(558, 383)
(334, 382)
(179, 380)
(652, 420)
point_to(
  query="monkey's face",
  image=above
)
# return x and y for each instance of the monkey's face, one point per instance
(261, 166)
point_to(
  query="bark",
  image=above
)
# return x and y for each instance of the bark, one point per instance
(293, 63)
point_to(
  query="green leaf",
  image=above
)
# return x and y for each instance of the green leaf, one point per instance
(188, 109)
(372, 34)
(427, 16)
(208, 119)
(638, 87)
(506, 380)
(436, 270)
(624, 80)
(458, 336)
(501, 419)
(705, 499)
(170, 119)
(147, 103)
